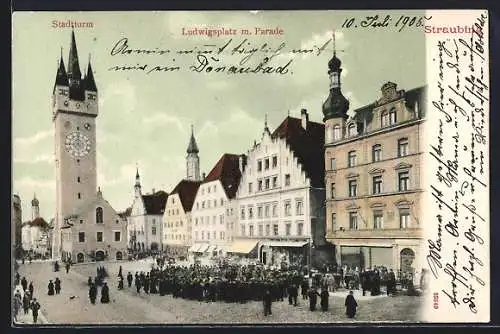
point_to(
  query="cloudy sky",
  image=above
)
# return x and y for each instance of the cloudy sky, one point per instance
(145, 119)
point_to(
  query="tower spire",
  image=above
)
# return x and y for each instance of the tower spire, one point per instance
(61, 75)
(333, 40)
(192, 147)
(266, 128)
(89, 79)
(73, 64)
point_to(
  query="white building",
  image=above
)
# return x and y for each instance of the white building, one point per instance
(281, 194)
(214, 209)
(35, 233)
(144, 226)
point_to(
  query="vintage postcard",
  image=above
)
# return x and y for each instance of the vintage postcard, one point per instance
(247, 167)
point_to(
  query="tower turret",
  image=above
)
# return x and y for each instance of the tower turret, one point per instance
(137, 186)
(192, 159)
(35, 208)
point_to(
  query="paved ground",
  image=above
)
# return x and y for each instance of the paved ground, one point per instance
(72, 306)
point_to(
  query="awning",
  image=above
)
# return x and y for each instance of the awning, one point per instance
(285, 243)
(243, 246)
(203, 248)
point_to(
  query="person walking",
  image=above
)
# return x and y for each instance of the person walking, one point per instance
(24, 283)
(350, 305)
(35, 307)
(105, 294)
(138, 284)
(68, 265)
(92, 293)
(313, 299)
(30, 289)
(325, 295)
(130, 278)
(120, 283)
(50, 288)
(57, 285)
(16, 304)
(26, 303)
(267, 300)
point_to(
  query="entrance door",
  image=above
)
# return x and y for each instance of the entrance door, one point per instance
(99, 256)
(119, 255)
(80, 257)
(407, 258)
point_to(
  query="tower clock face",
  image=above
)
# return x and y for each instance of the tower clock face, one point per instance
(77, 144)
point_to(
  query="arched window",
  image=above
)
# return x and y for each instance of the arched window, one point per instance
(385, 118)
(392, 116)
(336, 132)
(99, 216)
(351, 130)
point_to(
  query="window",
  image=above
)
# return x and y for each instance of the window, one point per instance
(208, 204)
(214, 220)
(287, 179)
(334, 222)
(99, 215)
(153, 230)
(99, 236)
(214, 236)
(81, 236)
(220, 236)
(392, 116)
(268, 230)
(251, 231)
(353, 188)
(351, 159)
(242, 213)
(275, 210)
(288, 208)
(118, 236)
(81, 221)
(208, 235)
(261, 230)
(385, 118)
(275, 229)
(250, 187)
(404, 181)
(221, 219)
(376, 152)
(195, 235)
(275, 162)
(377, 184)
(78, 179)
(288, 228)
(332, 191)
(353, 220)
(259, 212)
(201, 220)
(404, 219)
(250, 213)
(351, 130)
(215, 203)
(333, 164)
(378, 220)
(267, 184)
(300, 229)
(203, 233)
(275, 181)
(260, 185)
(208, 190)
(221, 201)
(299, 207)
(336, 132)
(79, 196)
(402, 147)
(259, 166)
(266, 164)
(196, 222)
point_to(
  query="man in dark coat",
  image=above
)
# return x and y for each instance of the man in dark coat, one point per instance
(138, 284)
(56, 266)
(365, 281)
(18, 277)
(26, 303)
(129, 279)
(324, 299)
(146, 283)
(92, 293)
(68, 265)
(120, 272)
(293, 292)
(313, 299)
(51, 288)
(57, 285)
(35, 306)
(391, 283)
(30, 289)
(24, 283)
(120, 283)
(350, 305)
(267, 300)
(89, 281)
(304, 288)
(105, 293)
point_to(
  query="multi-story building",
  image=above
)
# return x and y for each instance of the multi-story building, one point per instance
(373, 168)
(177, 218)
(35, 233)
(145, 221)
(214, 211)
(86, 227)
(281, 193)
(17, 220)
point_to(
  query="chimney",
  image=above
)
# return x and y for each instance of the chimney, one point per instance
(304, 117)
(153, 191)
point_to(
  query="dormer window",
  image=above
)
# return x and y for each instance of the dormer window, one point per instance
(392, 116)
(351, 130)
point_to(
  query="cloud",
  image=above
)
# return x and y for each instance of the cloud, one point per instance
(160, 119)
(209, 128)
(45, 158)
(28, 182)
(34, 139)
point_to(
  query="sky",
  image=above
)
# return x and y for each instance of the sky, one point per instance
(145, 119)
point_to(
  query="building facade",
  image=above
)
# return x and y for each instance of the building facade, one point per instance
(86, 227)
(35, 233)
(16, 228)
(177, 218)
(373, 169)
(145, 223)
(281, 194)
(213, 213)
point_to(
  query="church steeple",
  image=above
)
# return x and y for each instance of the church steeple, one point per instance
(266, 128)
(89, 79)
(137, 186)
(61, 76)
(192, 159)
(336, 105)
(73, 64)
(35, 208)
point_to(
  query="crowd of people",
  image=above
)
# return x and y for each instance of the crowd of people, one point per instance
(25, 299)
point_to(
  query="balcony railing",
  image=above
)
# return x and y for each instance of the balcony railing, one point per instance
(377, 233)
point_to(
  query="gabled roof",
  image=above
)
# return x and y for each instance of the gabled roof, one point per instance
(306, 145)
(186, 189)
(155, 203)
(227, 171)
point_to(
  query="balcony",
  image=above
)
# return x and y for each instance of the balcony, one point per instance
(376, 233)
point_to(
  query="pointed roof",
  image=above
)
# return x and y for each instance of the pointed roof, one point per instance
(186, 189)
(89, 79)
(306, 145)
(137, 178)
(227, 171)
(34, 201)
(61, 76)
(73, 65)
(192, 147)
(155, 203)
